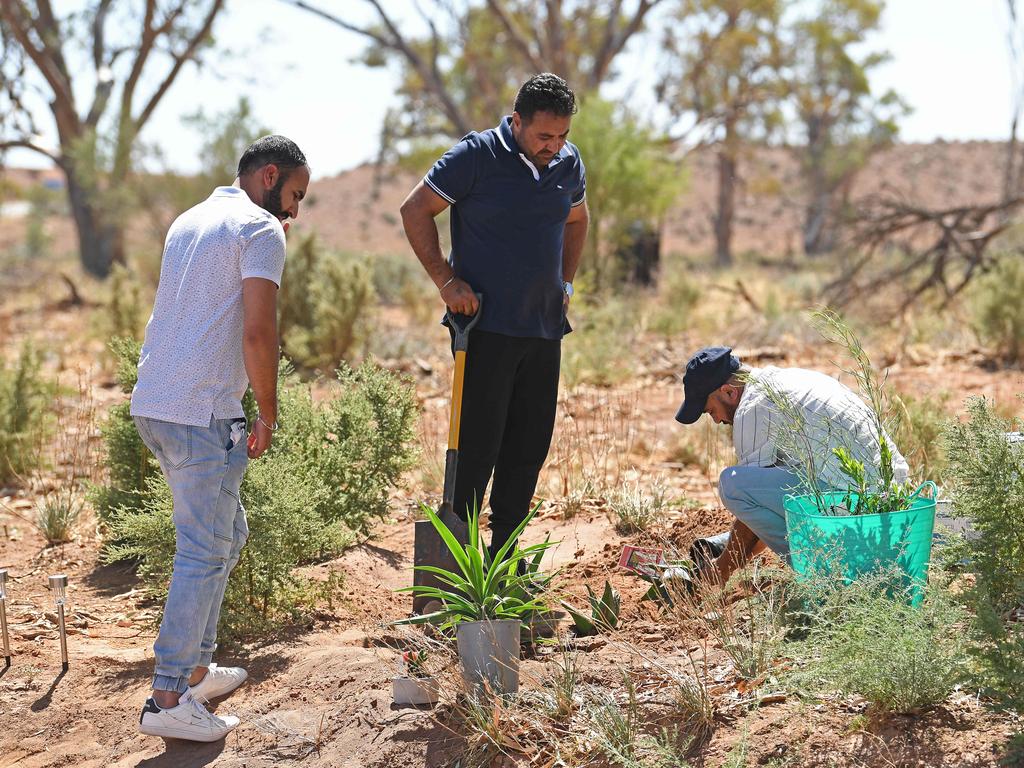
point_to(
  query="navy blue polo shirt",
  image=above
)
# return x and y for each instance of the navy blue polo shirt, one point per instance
(508, 226)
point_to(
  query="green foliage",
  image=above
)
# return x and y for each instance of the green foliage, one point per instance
(128, 462)
(604, 612)
(678, 295)
(866, 639)
(325, 306)
(986, 480)
(122, 312)
(919, 434)
(861, 498)
(842, 123)
(323, 481)
(483, 587)
(357, 445)
(264, 590)
(24, 402)
(630, 178)
(999, 315)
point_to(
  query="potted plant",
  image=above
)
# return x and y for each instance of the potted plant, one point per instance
(414, 685)
(872, 521)
(484, 601)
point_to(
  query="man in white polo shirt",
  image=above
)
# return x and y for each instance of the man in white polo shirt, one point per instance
(213, 332)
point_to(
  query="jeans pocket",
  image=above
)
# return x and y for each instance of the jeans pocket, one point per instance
(173, 442)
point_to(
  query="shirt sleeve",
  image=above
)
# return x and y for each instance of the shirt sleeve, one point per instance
(580, 193)
(454, 174)
(263, 250)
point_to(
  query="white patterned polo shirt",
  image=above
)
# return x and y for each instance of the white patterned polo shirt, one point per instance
(191, 367)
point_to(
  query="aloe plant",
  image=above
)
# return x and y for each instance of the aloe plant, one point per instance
(604, 612)
(483, 588)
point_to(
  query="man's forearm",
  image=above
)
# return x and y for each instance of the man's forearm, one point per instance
(261, 353)
(741, 547)
(421, 231)
(572, 248)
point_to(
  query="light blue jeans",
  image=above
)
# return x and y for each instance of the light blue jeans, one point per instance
(754, 495)
(204, 468)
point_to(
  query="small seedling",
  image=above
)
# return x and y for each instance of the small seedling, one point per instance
(415, 662)
(604, 612)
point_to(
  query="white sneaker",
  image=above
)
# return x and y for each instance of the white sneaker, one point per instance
(219, 681)
(189, 720)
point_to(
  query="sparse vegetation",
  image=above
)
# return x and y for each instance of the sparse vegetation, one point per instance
(633, 510)
(999, 315)
(24, 397)
(987, 478)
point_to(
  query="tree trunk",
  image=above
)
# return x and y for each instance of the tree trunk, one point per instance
(726, 206)
(100, 243)
(818, 231)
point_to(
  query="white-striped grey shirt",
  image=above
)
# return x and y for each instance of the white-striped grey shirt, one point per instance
(832, 414)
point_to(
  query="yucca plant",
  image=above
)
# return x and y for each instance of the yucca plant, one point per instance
(483, 588)
(604, 612)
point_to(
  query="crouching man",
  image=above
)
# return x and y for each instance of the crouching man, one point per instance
(718, 384)
(212, 333)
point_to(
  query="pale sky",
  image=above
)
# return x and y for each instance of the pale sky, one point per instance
(949, 62)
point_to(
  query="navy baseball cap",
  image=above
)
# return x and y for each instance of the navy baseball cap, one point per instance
(707, 370)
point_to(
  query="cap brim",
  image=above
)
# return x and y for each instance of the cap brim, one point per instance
(691, 409)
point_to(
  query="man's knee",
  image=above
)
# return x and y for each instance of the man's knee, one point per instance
(728, 485)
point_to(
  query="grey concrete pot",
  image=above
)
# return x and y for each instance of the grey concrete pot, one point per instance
(489, 652)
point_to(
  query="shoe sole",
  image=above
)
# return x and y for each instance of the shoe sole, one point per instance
(232, 689)
(181, 733)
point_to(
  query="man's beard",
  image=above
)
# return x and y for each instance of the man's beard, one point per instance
(272, 199)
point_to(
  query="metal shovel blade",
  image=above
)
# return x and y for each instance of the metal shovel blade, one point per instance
(429, 549)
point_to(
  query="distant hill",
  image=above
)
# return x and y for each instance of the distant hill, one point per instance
(358, 209)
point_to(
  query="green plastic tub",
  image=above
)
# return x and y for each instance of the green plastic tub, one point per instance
(853, 545)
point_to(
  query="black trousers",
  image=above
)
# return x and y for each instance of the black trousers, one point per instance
(508, 415)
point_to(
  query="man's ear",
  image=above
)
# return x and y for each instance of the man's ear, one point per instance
(270, 174)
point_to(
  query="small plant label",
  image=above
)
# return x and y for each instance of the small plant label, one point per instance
(641, 559)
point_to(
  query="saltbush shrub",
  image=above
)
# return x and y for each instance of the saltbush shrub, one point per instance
(127, 462)
(326, 304)
(866, 639)
(998, 310)
(986, 481)
(24, 398)
(323, 482)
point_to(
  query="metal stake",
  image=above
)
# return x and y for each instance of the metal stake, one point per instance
(3, 618)
(59, 586)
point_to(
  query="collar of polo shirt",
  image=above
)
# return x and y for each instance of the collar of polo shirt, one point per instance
(508, 141)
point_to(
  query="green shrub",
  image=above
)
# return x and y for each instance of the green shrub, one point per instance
(998, 311)
(324, 480)
(866, 639)
(127, 462)
(919, 434)
(357, 445)
(24, 402)
(122, 315)
(986, 474)
(325, 306)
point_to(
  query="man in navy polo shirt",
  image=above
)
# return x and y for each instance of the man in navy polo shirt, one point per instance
(518, 224)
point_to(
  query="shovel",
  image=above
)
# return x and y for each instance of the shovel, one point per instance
(429, 548)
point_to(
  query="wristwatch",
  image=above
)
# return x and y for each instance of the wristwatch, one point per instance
(567, 287)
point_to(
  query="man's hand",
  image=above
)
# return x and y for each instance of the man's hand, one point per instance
(459, 297)
(259, 439)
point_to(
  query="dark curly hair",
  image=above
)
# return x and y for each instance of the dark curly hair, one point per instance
(545, 93)
(282, 152)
